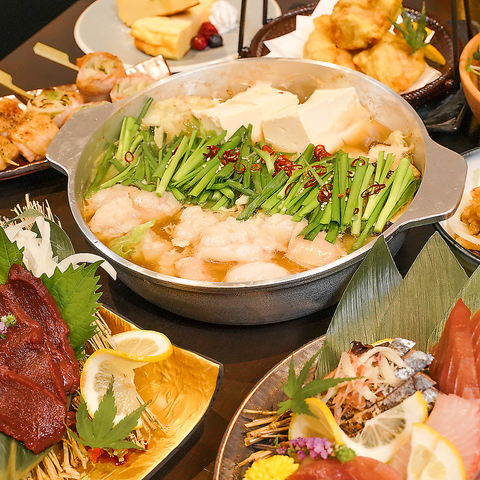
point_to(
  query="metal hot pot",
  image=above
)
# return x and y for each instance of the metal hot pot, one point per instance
(86, 134)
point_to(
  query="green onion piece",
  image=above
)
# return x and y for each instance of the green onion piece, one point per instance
(144, 111)
(172, 165)
(101, 171)
(271, 188)
(355, 191)
(395, 192)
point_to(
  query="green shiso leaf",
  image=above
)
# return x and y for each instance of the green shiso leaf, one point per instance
(75, 292)
(359, 311)
(9, 254)
(15, 459)
(428, 291)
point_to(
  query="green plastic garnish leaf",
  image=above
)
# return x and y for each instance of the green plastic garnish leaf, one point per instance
(9, 254)
(297, 392)
(75, 292)
(123, 245)
(414, 35)
(100, 431)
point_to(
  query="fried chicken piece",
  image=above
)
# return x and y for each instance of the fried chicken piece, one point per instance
(33, 135)
(321, 47)
(8, 153)
(10, 114)
(471, 214)
(391, 62)
(359, 24)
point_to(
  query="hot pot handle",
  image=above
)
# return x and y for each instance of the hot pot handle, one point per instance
(441, 190)
(68, 144)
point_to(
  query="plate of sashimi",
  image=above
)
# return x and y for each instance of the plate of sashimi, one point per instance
(391, 391)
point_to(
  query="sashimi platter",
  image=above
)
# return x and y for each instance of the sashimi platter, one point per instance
(390, 392)
(82, 390)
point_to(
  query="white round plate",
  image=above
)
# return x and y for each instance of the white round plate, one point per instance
(100, 29)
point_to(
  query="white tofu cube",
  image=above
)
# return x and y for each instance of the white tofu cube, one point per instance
(329, 118)
(258, 102)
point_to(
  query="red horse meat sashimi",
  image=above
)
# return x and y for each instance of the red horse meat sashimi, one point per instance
(458, 420)
(41, 307)
(23, 350)
(29, 412)
(360, 468)
(454, 367)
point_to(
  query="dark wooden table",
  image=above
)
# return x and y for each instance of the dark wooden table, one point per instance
(247, 353)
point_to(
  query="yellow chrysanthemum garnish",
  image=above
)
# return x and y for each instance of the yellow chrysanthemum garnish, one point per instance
(278, 467)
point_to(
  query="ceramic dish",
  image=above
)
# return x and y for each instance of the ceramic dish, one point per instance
(267, 393)
(24, 167)
(441, 40)
(100, 29)
(467, 258)
(190, 396)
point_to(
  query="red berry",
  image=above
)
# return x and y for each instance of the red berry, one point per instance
(207, 30)
(199, 43)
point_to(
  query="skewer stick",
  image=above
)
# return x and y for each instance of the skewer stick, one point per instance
(6, 80)
(54, 55)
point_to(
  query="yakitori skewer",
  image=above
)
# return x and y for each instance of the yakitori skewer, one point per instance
(54, 55)
(6, 80)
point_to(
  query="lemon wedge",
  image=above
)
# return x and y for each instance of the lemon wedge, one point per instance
(382, 435)
(96, 375)
(322, 425)
(433, 457)
(144, 345)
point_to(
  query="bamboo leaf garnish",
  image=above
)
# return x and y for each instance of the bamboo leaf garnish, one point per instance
(414, 36)
(360, 309)
(429, 289)
(99, 431)
(297, 392)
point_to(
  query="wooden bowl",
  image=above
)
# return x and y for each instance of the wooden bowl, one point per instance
(470, 81)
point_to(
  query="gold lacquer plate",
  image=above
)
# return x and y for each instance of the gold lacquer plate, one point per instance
(182, 389)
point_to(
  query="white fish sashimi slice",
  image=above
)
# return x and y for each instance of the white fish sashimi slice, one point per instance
(458, 420)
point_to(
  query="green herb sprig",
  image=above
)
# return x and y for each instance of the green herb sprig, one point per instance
(474, 68)
(99, 431)
(414, 36)
(5, 322)
(297, 392)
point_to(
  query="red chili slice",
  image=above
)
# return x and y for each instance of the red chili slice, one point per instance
(319, 152)
(372, 189)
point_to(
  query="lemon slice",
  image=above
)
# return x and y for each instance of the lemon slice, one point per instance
(433, 457)
(322, 425)
(96, 375)
(384, 434)
(381, 437)
(144, 345)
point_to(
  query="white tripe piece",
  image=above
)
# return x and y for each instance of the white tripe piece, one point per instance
(38, 255)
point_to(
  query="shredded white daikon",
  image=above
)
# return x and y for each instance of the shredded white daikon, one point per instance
(38, 255)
